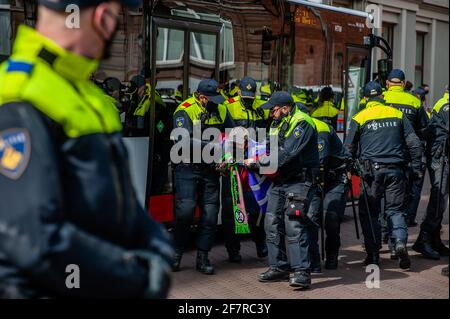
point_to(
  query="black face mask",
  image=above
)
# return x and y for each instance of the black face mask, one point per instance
(210, 106)
(248, 103)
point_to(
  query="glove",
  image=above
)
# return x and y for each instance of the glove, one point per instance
(158, 273)
(222, 169)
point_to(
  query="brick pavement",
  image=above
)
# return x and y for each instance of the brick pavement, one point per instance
(423, 281)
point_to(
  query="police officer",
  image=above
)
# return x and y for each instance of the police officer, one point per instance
(197, 181)
(326, 110)
(397, 97)
(244, 112)
(291, 204)
(429, 242)
(67, 196)
(377, 136)
(333, 160)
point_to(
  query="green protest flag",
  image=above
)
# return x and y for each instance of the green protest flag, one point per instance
(239, 213)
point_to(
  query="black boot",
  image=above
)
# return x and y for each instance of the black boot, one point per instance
(402, 253)
(423, 246)
(234, 256)
(445, 271)
(274, 275)
(438, 245)
(300, 279)
(261, 250)
(203, 264)
(372, 259)
(176, 262)
(331, 262)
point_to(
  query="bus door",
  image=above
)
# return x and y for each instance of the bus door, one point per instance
(186, 52)
(357, 74)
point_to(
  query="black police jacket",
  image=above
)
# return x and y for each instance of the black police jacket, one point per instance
(382, 134)
(73, 204)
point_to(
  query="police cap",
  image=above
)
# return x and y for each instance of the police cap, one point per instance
(373, 89)
(420, 91)
(280, 98)
(396, 76)
(248, 87)
(210, 89)
(61, 5)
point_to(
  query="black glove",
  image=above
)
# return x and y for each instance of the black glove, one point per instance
(158, 273)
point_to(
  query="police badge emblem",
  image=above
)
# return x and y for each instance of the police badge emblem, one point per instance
(321, 145)
(298, 132)
(15, 150)
(180, 121)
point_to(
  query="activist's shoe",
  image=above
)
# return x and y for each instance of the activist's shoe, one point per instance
(402, 253)
(445, 271)
(274, 275)
(300, 279)
(393, 252)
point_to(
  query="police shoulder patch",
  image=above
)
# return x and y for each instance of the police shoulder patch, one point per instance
(180, 121)
(231, 100)
(186, 104)
(15, 150)
(321, 145)
(298, 132)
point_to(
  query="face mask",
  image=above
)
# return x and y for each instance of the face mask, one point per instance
(248, 103)
(210, 106)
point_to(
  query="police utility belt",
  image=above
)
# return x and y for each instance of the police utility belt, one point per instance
(305, 175)
(368, 168)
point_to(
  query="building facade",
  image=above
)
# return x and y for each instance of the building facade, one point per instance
(418, 32)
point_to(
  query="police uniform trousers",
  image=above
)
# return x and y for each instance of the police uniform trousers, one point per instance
(334, 203)
(196, 184)
(279, 227)
(415, 187)
(388, 181)
(432, 222)
(232, 240)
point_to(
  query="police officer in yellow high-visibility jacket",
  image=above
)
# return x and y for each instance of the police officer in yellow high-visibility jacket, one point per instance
(379, 136)
(411, 106)
(326, 110)
(197, 181)
(244, 111)
(333, 160)
(66, 191)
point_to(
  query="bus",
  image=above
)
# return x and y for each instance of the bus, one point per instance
(293, 43)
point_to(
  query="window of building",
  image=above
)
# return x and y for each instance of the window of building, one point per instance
(420, 50)
(5, 34)
(388, 35)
